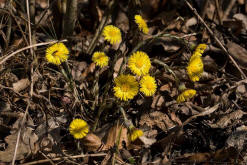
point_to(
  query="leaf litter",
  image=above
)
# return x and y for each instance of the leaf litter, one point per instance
(209, 128)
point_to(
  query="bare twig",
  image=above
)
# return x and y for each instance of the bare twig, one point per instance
(30, 39)
(219, 12)
(5, 58)
(216, 39)
(61, 158)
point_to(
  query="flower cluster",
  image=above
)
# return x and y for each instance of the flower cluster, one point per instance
(139, 64)
(195, 66)
(57, 53)
(194, 70)
(142, 25)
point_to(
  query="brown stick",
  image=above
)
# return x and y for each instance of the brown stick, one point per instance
(216, 39)
(72, 157)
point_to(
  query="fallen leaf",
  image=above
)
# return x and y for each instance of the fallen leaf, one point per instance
(21, 85)
(238, 53)
(227, 119)
(159, 119)
(115, 134)
(26, 142)
(92, 142)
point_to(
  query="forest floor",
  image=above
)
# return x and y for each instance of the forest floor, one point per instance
(193, 109)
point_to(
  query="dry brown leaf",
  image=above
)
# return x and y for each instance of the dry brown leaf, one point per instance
(92, 142)
(157, 101)
(228, 119)
(237, 138)
(238, 53)
(194, 157)
(21, 85)
(113, 136)
(226, 154)
(26, 143)
(158, 119)
(78, 67)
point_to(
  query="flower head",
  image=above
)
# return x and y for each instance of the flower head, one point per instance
(187, 94)
(148, 85)
(201, 48)
(126, 87)
(135, 133)
(139, 63)
(78, 128)
(100, 58)
(195, 68)
(57, 53)
(112, 34)
(142, 25)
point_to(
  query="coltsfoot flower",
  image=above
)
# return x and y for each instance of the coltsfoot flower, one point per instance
(126, 87)
(142, 25)
(100, 59)
(78, 128)
(148, 85)
(134, 134)
(201, 48)
(139, 63)
(57, 53)
(195, 68)
(185, 95)
(112, 34)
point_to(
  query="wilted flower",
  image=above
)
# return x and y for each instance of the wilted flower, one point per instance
(148, 85)
(100, 59)
(126, 87)
(112, 34)
(57, 53)
(139, 63)
(142, 25)
(78, 128)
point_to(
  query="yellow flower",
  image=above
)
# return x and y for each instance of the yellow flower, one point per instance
(142, 25)
(187, 94)
(112, 34)
(135, 133)
(139, 63)
(78, 128)
(100, 58)
(57, 53)
(201, 48)
(195, 68)
(148, 85)
(126, 87)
